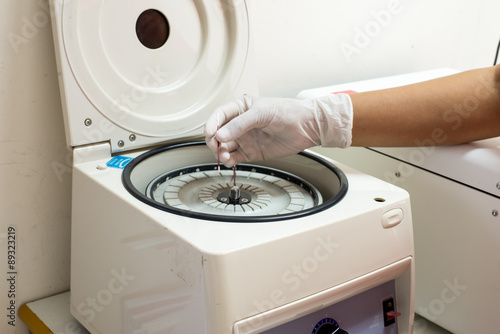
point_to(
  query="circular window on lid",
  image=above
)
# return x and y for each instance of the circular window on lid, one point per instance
(152, 29)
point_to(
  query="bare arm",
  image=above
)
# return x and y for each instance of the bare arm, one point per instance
(450, 110)
(445, 111)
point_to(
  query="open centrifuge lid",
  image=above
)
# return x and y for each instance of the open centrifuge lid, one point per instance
(142, 72)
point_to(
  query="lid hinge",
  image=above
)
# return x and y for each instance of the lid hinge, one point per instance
(91, 152)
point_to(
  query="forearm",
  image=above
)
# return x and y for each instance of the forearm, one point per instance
(450, 110)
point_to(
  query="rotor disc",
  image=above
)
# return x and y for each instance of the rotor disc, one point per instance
(261, 191)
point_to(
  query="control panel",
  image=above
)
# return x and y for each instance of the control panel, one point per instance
(373, 311)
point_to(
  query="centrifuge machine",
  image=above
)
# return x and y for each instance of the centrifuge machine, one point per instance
(455, 195)
(164, 242)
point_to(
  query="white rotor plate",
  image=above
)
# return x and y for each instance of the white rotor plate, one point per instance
(269, 193)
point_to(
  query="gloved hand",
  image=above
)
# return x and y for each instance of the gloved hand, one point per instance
(258, 128)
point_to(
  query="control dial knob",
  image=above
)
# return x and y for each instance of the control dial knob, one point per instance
(328, 326)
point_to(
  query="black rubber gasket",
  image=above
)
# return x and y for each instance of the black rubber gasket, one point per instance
(127, 171)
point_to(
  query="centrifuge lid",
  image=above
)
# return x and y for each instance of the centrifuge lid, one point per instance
(121, 78)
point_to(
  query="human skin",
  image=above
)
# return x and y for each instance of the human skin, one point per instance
(455, 109)
(449, 110)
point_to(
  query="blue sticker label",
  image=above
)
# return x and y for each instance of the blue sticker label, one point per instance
(118, 162)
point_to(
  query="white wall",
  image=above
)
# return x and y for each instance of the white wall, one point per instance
(34, 197)
(298, 44)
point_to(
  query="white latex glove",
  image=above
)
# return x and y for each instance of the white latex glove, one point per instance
(258, 128)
